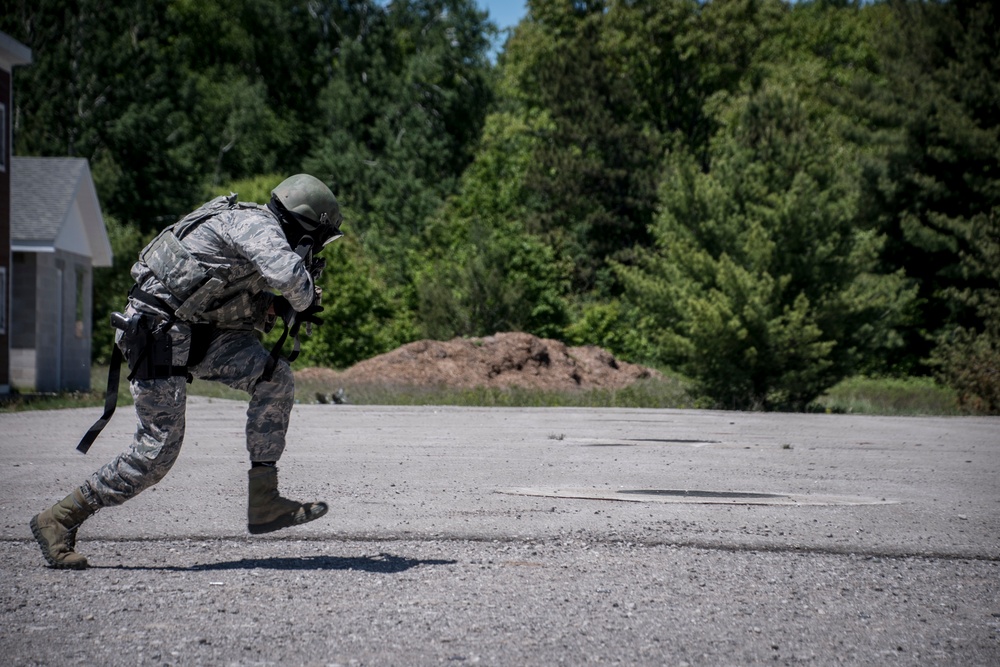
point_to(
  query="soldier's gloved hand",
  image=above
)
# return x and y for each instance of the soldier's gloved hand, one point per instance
(281, 307)
(316, 268)
(284, 310)
(308, 316)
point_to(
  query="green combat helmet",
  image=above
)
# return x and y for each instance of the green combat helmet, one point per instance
(307, 209)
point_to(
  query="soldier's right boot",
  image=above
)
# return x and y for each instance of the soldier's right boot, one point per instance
(55, 531)
(268, 511)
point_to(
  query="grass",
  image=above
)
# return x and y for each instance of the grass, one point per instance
(667, 393)
(95, 397)
(857, 395)
(890, 396)
(17, 402)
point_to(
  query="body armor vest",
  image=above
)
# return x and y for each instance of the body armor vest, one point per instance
(198, 291)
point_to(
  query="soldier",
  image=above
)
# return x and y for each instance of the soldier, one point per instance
(202, 288)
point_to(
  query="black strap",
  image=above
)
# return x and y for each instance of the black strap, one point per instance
(115, 368)
(272, 359)
(110, 401)
(151, 300)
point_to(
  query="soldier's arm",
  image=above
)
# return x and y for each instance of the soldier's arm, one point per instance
(261, 242)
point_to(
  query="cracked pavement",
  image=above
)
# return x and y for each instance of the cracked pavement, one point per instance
(511, 536)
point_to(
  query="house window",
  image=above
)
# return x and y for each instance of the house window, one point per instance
(80, 275)
(4, 131)
(3, 300)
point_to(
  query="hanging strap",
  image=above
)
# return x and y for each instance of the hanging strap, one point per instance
(118, 321)
(142, 296)
(272, 359)
(291, 325)
(110, 401)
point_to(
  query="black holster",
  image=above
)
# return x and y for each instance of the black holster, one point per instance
(150, 357)
(148, 348)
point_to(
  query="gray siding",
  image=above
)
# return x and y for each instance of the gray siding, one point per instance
(56, 289)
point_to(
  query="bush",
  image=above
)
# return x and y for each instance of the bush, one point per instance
(968, 358)
(890, 396)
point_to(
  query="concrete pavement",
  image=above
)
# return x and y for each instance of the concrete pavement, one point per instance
(521, 536)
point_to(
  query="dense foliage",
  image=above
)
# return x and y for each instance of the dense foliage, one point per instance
(768, 197)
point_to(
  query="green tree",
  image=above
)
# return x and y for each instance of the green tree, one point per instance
(406, 98)
(171, 98)
(592, 177)
(621, 81)
(760, 287)
(168, 97)
(101, 87)
(362, 315)
(615, 325)
(937, 121)
(968, 358)
(482, 270)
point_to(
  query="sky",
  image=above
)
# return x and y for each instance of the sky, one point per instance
(505, 13)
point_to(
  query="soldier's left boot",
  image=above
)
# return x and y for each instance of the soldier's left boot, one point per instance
(269, 511)
(55, 531)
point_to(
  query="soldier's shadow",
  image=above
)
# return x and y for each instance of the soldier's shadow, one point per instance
(384, 563)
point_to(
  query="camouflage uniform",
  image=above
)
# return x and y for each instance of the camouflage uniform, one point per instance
(246, 246)
(203, 286)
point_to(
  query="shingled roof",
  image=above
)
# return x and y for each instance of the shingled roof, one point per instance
(54, 205)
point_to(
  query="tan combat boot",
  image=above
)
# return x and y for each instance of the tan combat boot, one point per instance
(55, 531)
(268, 511)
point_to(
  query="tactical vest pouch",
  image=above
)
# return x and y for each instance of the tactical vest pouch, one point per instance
(174, 266)
(239, 307)
(194, 306)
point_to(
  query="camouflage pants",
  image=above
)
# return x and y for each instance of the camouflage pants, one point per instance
(234, 358)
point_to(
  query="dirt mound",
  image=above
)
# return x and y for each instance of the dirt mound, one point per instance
(503, 360)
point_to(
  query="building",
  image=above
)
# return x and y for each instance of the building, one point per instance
(12, 53)
(51, 236)
(57, 238)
